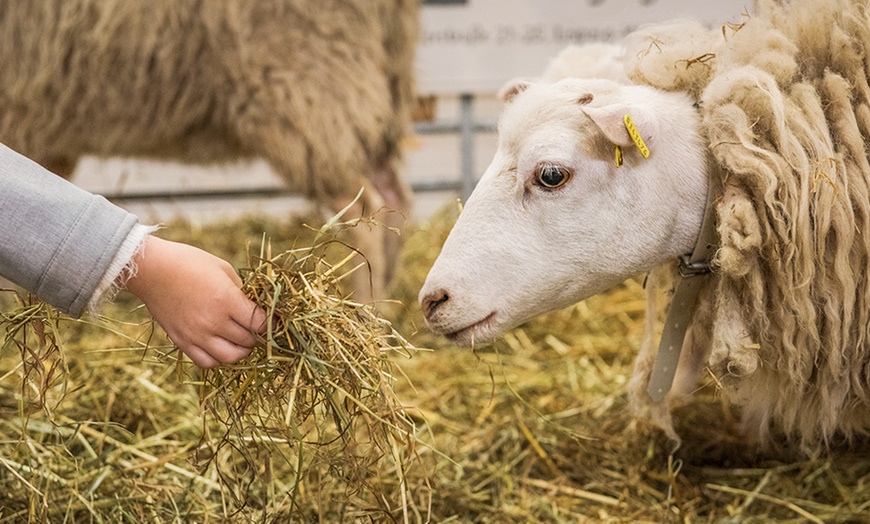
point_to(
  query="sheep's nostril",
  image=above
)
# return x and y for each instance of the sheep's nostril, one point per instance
(433, 301)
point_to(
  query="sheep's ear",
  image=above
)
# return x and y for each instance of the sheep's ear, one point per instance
(610, 119)
(512, 88)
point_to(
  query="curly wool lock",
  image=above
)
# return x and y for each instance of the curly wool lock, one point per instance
(785, 104)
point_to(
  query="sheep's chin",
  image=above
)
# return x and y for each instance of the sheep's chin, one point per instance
(480, 333)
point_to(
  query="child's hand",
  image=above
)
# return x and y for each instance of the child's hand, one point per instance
(195, 297)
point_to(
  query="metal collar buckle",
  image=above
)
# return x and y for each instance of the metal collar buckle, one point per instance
(688, 269)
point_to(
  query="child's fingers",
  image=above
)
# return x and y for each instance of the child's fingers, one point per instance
(199, 356)
(238, 334)
(225, 351)
(246, 314)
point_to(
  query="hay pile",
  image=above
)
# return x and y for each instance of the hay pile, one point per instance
(535, 430)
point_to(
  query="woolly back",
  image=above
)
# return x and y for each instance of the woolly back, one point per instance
(786, 109)
(321, 89)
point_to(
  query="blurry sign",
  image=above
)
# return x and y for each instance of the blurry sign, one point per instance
(475, 46)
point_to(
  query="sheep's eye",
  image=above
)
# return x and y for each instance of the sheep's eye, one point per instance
(551, 177)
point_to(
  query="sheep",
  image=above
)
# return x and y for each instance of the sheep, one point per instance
(321, 90)
(588, 60)
(774, 115)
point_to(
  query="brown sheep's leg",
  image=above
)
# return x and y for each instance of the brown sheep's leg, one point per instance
(385, 199)
(366, 281)
(397, 197)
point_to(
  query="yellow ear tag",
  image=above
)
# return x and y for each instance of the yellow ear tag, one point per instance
(618, 156)
(635, 136)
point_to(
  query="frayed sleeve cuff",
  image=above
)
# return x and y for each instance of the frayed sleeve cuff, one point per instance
(122, 268)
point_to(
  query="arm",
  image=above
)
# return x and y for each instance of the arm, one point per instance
(69, 246)
(56, 239)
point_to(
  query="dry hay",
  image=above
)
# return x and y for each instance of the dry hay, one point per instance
(536, 429)
(320, 379)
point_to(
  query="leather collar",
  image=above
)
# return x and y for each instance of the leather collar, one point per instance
(693, 270)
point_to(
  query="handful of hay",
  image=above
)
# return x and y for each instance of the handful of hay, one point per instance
(320, 379)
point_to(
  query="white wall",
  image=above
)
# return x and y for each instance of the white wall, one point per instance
(474, 46)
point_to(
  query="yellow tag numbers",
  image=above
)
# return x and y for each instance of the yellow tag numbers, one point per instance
(635, 136)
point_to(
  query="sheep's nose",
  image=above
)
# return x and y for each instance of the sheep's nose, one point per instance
(433, 301)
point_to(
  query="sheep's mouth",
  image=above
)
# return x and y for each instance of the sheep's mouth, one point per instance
(473, 333)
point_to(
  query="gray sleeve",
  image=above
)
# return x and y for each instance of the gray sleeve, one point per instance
(56, 240)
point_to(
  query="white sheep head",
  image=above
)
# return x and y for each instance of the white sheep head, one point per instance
(553, 220)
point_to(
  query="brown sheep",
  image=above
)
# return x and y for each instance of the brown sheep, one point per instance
(320, 89)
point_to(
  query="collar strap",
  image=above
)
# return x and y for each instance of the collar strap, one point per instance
(692, 270)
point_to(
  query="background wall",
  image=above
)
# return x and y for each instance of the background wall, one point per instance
(476, 45)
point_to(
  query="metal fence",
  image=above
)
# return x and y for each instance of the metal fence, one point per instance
(466, 127)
